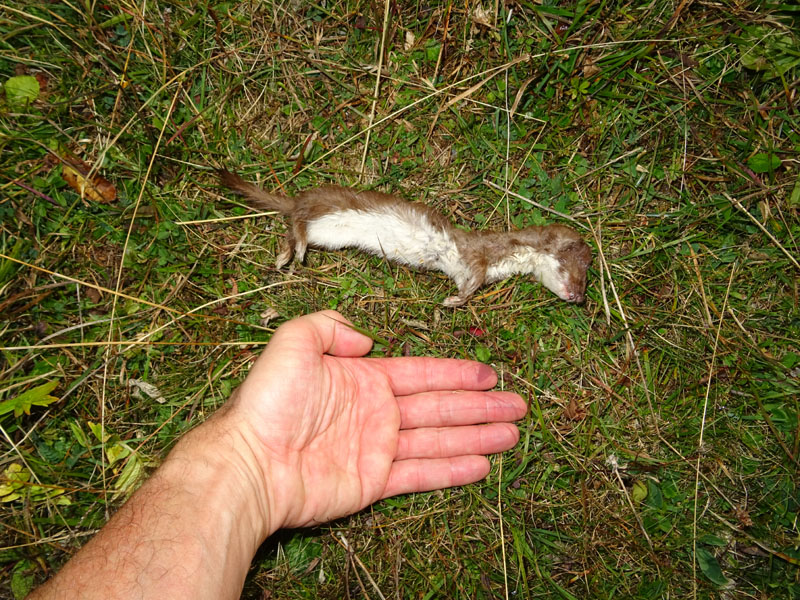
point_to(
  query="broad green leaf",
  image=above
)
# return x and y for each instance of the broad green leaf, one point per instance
(131, 307)
(9, 493)
(53, 453)
(713, 540)
(790, 360)
(794, 200)
(652, 589)
(38, 396)
(483, 354)
(654, 496)
(22, 579)
(432, 52)
(16, 485)
(9, 267)
(710, 567)
(130, 477)
(79, 433)
(14, 478)
(639, 491)
(21, 90)
(763, 163)
(301, 550)
(116, 452)
(98, 432)
(767, 49)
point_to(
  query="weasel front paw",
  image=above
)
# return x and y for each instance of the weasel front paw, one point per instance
(454, 301)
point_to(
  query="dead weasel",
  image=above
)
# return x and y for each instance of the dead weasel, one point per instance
(414, 234)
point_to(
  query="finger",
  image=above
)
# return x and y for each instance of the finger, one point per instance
(447, 409)
(443, 442)
(411, 375)
(327, 331)
(424, 475)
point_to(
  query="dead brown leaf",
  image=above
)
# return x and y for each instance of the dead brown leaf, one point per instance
(268, 315)
(43, 81)
(93, 187)
(410, 41)
(575, 411)
(743, 516)
(590, 68)
(481, 16)
(94, 295)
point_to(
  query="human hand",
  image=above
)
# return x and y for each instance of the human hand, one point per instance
(333, 432)
(315, 432)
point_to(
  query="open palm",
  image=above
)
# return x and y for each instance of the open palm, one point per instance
(337, 431)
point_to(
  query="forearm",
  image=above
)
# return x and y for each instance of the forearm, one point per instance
(189, 532)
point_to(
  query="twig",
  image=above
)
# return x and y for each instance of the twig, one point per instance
(343, 541)
(776, 434)
(440, 91)
(223, 219)
(783, 556)
(117, 287)
(377, 85)
(702, 432)
(738, 205)
(598, 240)
(614, 464)
(87, 284)
(36, 192)
(628, 336)
(214, 343)
(137, 299)
(702, 285)
(609, 163)
(216, 301)
(631, 346)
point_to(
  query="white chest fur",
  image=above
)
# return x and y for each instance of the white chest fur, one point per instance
(398, 237)
(526, 260)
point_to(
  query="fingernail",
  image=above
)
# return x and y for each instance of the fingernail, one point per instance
(484, 373)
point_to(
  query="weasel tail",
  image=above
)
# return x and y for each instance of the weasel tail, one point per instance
(255, 195)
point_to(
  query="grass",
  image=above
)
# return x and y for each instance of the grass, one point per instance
(660, 455)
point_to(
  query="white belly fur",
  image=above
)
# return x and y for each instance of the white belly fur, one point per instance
(417, 244)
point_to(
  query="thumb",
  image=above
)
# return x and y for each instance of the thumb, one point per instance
(327, 332)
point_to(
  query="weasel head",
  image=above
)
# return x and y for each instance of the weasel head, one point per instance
(564, 260)
(568, 280)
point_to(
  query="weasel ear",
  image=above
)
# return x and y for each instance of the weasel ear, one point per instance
(578, 249)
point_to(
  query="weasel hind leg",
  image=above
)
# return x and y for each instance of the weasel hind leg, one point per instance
(300, 240)
(294, 246)
(286, 253)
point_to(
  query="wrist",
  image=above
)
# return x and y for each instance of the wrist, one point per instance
(218, 458)
(190, 531)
